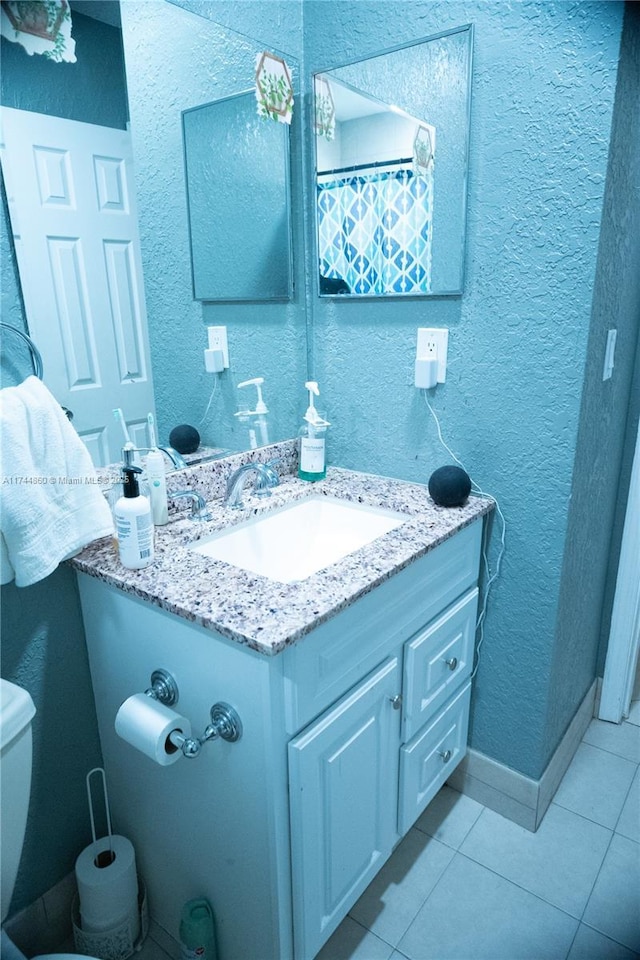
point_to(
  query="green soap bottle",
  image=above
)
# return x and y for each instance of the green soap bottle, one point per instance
(312, 456)
(197, 931)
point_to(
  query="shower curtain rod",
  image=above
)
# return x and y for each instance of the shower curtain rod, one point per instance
(366, 166)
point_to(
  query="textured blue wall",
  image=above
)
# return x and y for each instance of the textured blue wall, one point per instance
(605, 448)
(43, 643)
(543, 92)
(265, 339)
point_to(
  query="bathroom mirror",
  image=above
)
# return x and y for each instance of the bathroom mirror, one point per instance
(391, 148)
(176, 59)
(237, 182)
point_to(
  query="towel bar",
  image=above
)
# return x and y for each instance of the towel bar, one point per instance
(36, 358)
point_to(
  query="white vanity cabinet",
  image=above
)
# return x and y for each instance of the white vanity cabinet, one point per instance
(347, 736)
(363, 772)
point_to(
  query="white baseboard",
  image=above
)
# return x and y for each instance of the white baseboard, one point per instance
(508, 792)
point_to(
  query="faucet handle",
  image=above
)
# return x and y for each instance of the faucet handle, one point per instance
(272, 478)
(267, 478)
(198, 504)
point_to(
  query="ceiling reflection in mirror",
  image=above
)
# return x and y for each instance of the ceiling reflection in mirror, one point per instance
(237, 181)
(392, 138)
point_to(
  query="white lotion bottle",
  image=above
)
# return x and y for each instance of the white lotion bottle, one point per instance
(157, 479)
(134, 523)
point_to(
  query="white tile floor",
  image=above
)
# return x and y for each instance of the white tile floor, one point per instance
(466, 884)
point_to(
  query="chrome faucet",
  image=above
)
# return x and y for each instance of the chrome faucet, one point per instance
(178, 461)
(198, 505)
(266, 477)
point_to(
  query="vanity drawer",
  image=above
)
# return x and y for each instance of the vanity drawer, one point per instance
(430, 758)
(437, 661)
(329, 661)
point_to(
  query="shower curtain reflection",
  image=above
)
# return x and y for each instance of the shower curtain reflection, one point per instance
(375, 230)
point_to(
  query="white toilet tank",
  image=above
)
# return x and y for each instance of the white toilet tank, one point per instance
(16, 712)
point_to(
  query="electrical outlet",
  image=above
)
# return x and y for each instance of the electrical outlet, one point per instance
(434, 341)
(218, 341)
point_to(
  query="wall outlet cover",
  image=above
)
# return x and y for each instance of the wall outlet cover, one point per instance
(434, 340)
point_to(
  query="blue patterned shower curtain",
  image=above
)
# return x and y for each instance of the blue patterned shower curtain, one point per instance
(375, 231)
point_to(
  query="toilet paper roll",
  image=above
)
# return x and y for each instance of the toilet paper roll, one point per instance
(146, 723)
(108, 885)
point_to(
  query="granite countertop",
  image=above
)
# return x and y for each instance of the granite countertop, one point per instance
(263, 614)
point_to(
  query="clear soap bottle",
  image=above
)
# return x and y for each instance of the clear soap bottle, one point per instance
(312, 454)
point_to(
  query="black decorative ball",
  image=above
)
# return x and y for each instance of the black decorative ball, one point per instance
(449, 486)
(184, 439)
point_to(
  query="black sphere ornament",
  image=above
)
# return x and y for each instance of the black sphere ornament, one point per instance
(184, 439)
(449, 486)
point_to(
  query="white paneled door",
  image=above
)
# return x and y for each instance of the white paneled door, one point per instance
(73, 213)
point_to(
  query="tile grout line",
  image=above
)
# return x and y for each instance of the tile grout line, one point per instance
(524, 889)
(593, 885)
(611, 753)
(427, 898)
(626, 797)
(588, 819)
(422, 903)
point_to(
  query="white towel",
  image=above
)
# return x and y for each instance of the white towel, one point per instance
(51, 504)
(7, 572)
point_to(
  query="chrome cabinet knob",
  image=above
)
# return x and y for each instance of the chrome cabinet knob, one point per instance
(452, 663)
(446, 755)
(396, 702)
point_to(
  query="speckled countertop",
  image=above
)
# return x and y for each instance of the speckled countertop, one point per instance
(263, 614)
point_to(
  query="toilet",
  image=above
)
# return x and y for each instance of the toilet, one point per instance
(16, 712)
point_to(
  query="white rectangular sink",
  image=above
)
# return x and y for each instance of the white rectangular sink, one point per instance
(292, 543)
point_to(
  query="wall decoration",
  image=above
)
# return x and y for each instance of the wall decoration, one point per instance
(274, 92)
(40, 26)
(325, 109)
(423, 150)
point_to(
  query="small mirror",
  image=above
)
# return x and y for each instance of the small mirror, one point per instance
(237, 178)
(392, 138)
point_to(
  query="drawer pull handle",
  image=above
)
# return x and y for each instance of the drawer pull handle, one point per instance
(452, 663)
(446, 755)
(396, 702)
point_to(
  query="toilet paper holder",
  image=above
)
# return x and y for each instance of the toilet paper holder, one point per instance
(163, 688)
(224, 721)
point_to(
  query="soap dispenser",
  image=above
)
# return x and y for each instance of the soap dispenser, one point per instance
(312, 463)
(258, 427)
(133, 517)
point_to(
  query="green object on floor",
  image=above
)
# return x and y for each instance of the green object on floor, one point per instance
(197, 931)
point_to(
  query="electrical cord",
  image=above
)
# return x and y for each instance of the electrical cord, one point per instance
(489, 577)
(213, 393)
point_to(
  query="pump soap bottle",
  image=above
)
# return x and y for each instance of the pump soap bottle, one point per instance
(312, 463)
(133, 518)
(257, 419)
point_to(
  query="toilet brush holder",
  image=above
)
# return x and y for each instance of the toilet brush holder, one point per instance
(116, 943)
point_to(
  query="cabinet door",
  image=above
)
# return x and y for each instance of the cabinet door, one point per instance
(343, 783)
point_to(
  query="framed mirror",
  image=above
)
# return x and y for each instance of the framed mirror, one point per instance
(391, 157)
(112, 312)
(238, 186)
